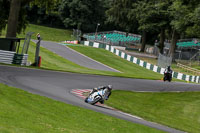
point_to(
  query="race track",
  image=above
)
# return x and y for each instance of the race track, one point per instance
(57, 85)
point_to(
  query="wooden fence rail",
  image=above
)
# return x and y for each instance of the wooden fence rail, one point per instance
(189, 69)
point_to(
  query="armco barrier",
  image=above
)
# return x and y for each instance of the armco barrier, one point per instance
(20, 59)
(142, 63)
(9, 57)
(6, 56)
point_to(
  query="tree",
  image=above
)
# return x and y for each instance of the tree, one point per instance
(147, 17)
(82, 14)
(44, 16)
(193, 29)
(13, 19)
(120, 15)
(4, 4)
(135, 16)
(163, 22)
(183, 15)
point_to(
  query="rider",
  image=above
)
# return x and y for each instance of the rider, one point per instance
(168, 70)
(108, 92)
(168, 73)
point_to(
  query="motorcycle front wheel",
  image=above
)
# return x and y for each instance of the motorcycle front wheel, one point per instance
(96, 99)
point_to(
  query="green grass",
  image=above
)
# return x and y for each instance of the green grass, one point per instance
(53, 61)
(47, 33)
(177, 110)
(57, 35)
(127, 68)
(23, 112)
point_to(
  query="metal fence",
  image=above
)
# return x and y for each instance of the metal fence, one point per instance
(26, 43)
(164, 61)
(189, 40)
(189, 57)
(77, 34)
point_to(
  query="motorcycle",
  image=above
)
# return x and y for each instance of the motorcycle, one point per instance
(98, 96)
(167, 76)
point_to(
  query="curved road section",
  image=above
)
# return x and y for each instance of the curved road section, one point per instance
(74, 56)
(57, 85)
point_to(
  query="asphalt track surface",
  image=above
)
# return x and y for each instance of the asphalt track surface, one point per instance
(74, 56)
(57, 85)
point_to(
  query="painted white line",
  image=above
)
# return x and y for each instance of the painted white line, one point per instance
(130, 115)
(82, 90)
(77, 91)
(94, 60)
(83, 96)
(161, 91)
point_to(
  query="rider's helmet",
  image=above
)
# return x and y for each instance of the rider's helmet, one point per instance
(168, 68)
(109, 87)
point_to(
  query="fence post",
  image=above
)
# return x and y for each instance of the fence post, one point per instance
(37, 53)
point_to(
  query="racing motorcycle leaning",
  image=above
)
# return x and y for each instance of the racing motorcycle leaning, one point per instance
(99, 95)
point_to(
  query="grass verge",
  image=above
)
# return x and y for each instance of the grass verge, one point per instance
(177, 110)
(127, 68)
(57, 35)
(47, 33)
(53, 61)
(174, 66)
(22, 112)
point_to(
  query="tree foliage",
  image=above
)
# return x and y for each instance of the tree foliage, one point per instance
(181, 17)
(17, 20)
(4, 4)
(119, 14)
(82, 14)
(185, 16)
(171, 19)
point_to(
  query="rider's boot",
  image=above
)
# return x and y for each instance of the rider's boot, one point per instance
(102, 102)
